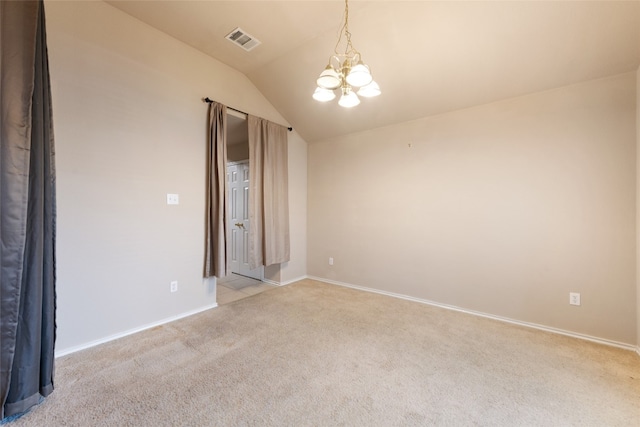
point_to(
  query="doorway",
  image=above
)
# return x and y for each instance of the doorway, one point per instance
(238, 224)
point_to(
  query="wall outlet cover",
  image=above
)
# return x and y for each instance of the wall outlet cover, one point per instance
(173, 199)
(574, 298)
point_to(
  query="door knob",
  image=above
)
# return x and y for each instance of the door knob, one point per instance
(239, 225)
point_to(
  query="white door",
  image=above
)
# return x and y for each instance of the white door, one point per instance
(238, 220)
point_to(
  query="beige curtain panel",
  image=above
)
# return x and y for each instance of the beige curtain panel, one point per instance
(268, 193)
(216, 260)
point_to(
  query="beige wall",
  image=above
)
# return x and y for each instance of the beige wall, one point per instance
(638, 208)
(130, 127)
(237, 152)
(502, 209)
(297, 268)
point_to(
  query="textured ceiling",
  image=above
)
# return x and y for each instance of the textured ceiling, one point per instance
(428, 57)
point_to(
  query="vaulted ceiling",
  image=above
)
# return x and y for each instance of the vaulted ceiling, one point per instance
(429, 57)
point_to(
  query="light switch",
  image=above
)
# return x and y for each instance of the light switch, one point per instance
(173, 199)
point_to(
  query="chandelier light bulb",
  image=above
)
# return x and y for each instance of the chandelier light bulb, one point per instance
(329, 79)
(348, 99)
(370, 90)
(359, 75)
(323, 95)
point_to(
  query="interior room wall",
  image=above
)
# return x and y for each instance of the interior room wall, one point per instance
(501, 209)
(638, 208)
(296, 269)
(237, 152)
(130, 127)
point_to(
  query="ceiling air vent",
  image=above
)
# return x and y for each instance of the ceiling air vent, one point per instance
(242, 39)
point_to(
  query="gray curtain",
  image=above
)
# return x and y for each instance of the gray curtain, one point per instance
(268, 193)
(216, 262)
(27, 210)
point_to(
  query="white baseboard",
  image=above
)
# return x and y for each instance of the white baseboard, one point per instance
(90, 344)
(271, 282)
(297, 279)
(598, 340)
(288, 282)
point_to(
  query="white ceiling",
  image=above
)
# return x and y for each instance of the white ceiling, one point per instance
(428, 57)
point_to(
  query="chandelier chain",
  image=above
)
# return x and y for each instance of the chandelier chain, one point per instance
(349, 50)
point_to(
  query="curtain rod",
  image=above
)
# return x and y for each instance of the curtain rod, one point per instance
(209, 101)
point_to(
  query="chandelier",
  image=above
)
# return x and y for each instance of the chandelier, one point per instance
(346, 72)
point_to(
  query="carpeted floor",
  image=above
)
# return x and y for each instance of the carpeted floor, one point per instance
(313, 354)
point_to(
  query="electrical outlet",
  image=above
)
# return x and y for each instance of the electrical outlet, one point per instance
(174, 286)
(330, 260)
(173, 199)
(574, 298)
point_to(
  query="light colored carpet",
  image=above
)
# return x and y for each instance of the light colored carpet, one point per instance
(313, 354)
